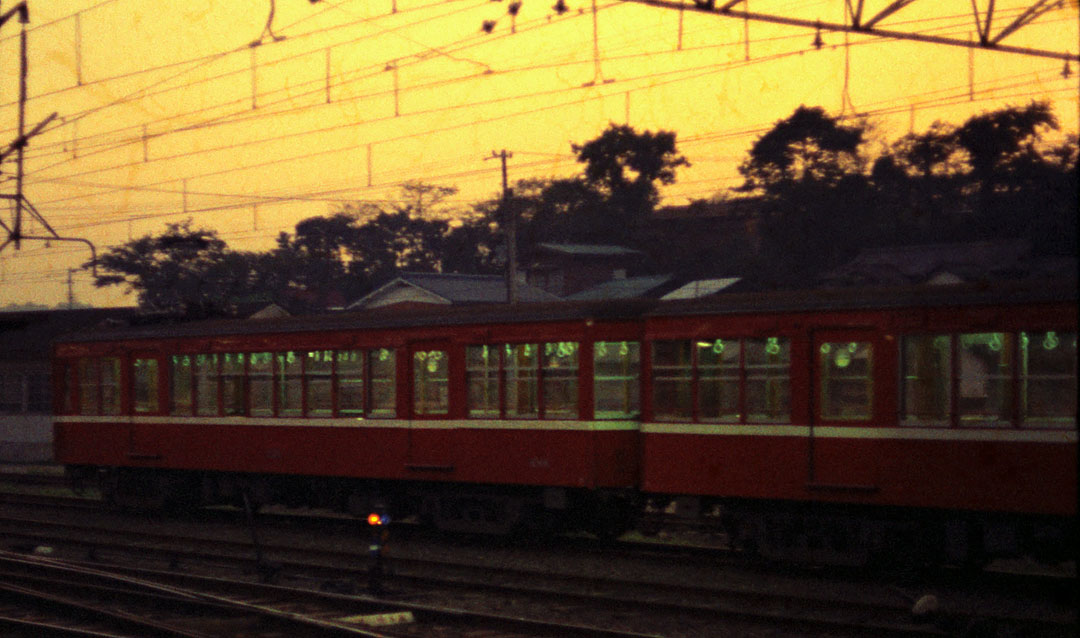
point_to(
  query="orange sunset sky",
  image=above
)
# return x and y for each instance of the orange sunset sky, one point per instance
(165, 111)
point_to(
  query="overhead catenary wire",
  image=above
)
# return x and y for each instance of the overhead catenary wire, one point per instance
(938, 97)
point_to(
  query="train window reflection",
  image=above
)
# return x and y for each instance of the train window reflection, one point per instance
(181, 396)
(233, 398)
(722, 380)
(617, 379)
(521, 380)
(208, 384)
(383, 382)
(984, 372)
(846, 370)
(145, 385)
(110, 385)
(89, 386)
(431, 382)
(482, 380)
(289, 373)
(560, 380)
(1048, 379)
(350, 378)
(318, 381)
(767, 366)
(927, 379)
(672, 370)
(718, 368)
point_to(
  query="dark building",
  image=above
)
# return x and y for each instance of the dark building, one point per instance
(25, 387)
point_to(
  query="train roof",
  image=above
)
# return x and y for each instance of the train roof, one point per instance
(809, 300)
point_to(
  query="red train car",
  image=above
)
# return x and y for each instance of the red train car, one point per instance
(477, 420)
(815, 424)
(941, 420)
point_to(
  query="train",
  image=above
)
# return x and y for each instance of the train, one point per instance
(937, 422)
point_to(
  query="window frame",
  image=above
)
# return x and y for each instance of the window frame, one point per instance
(1014, 393)
(691, 375)
(537, 378)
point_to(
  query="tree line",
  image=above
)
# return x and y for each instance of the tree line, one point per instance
(820, 188)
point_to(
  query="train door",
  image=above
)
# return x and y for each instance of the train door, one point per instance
(146, 380)
(431, 432)
(843, 454)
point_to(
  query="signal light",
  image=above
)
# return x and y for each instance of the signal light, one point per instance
(374, 519)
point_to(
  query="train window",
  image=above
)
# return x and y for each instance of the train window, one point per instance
(383, 387)
(110, 385)
(767, 364)
(617, 379)
(89, 386)
(207, 382)
(482, 379)
(290, 383)
(722, 380)
(350, 378)
(521, 378)
(431, 382)
(846, 380)
(672, 380)
(233, 365)
(1048, 379)
(927, 379)
(718, 363)
(560, 379)
(984, 378)
(180, 387)
(261, 383)
(145, 385)
(66, 387)
(318, 382)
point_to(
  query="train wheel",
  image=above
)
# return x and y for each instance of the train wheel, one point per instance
(135, 489)
(611, 516)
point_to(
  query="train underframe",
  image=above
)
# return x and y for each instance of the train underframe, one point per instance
(785, 531)
(451, 507)
(847, 534)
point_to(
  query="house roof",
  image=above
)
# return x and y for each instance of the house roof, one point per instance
(588, 250)
(447, 289)
(944, 263)
(700, 288)
(628, 288)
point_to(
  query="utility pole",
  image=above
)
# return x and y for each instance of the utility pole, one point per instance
(71, 290)
(510, 218)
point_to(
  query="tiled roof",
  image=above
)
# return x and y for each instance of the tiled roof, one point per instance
(921, 263)
(629, 288)
(591, 250)
(458, 289)
(700, 288)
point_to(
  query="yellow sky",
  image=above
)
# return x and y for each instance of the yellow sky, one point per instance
(162, 99)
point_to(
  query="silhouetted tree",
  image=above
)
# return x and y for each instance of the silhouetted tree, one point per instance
(183, 270)
(994, 176)
(808, 173)
(625, 166)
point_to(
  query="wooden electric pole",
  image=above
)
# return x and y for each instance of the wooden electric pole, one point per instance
(508, 217)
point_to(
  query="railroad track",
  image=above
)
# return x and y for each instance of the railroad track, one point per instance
(148, 603)
(456, 583)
